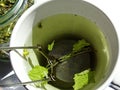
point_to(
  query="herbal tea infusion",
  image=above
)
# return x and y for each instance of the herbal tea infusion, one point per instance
(60, 27)
(68, 68)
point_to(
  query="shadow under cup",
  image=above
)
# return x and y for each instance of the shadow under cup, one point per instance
(76, 19)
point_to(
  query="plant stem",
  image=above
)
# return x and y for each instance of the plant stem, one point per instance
(69, 56)
(48, 60)
(72, 54)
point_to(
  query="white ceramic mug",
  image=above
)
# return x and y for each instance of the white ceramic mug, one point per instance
(103, 42)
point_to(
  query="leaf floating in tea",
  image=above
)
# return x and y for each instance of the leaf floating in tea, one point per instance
(81, 79)
(79, 45)
(39, 73)
(50, 46)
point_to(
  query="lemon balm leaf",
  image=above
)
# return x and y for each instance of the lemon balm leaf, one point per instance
(50, 46)
(79, 45)
(38, 73)
(81, 79)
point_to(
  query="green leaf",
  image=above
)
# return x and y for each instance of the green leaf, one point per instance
(38, 73)
(79, 45)
(81, 79)
(50, 46)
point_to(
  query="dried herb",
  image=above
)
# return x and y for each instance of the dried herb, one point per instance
(6, 29)
(6, 5)
(5, 33)
(30, 3)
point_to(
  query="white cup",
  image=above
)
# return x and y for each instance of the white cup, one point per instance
(104, 42)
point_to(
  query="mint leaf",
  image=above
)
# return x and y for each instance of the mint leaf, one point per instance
(38, 73)
(50, 46)
(81, 79)
(79, 45)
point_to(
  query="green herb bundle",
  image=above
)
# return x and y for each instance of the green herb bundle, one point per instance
(80, 79)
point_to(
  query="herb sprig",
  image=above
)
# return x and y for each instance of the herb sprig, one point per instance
(40, 72)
